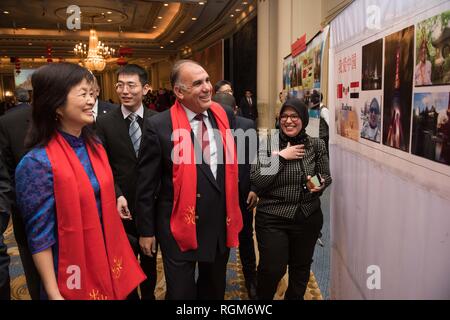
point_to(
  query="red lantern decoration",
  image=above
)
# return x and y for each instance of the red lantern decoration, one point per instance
(126, 51)
(49, 53)
(121, 61)
(17, 65)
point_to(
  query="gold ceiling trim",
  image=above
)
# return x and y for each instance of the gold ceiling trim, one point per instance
(168, 15)
(74, 35)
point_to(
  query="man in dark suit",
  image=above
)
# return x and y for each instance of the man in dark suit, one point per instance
(5, 209)
(191, 207)
(120, 131)
(247, 147)
(13, 129)
(22, 97)
(248, 106)
(101, 107)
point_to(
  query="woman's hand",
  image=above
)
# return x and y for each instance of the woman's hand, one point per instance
(312, 187)
(56, 296)
(293, 152)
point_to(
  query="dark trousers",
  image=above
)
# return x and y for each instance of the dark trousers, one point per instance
(211, 282)
(282, 243)
(246, 244)
(31, 273)
(148, 265)
(5, 291)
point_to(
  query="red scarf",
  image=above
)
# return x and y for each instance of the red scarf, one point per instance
(96, 261)
(182, 220)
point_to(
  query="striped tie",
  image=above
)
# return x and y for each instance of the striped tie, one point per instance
(135, 132)
(203, 137)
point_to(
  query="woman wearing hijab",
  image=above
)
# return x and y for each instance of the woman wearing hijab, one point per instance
(65, 192)
(289, 181)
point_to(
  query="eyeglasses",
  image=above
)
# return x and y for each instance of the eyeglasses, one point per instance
(131, 86)
(294, 117)
(229, 91)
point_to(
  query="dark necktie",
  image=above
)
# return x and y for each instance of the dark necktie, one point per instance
(203, 137)
(135, 132)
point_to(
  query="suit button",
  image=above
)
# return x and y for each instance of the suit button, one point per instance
(196, 217)
(198, 195)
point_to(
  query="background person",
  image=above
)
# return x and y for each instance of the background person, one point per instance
(247, 197)
(248, 106)
(5, 209)
(13, 128)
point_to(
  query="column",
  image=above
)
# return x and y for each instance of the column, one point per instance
(267, 65)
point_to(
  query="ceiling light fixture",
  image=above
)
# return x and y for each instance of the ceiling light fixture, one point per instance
(109, 20)
(193, 19)
(171, 41)
(6, 12)
(166, 4)
(109, 12)
(201, 3)
(96, 54)
(181, 31)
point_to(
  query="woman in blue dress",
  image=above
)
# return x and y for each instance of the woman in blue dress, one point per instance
(65, 193)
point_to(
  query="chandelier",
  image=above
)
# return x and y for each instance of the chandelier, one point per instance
(95, 55)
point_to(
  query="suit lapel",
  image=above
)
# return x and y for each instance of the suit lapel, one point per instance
(123, 129)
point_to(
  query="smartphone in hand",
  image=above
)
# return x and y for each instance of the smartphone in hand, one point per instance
(314, 182)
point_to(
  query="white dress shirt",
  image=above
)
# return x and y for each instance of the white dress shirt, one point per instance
(126, 112)
(95, 110)
(212, 141)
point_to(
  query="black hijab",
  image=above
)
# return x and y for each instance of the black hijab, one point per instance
(302, 111)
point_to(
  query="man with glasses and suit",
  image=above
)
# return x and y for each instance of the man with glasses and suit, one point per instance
(121, 131)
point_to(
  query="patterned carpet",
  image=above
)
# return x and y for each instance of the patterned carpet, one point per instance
(235, 280)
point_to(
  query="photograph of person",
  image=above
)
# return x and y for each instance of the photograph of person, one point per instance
(371, 118)
(433, 51)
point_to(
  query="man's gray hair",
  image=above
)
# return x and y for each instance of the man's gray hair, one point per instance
(22, 95)
(175, 74)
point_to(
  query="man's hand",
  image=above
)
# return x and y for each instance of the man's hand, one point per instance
(148, 245)
(252, 200)
(293, 152)
(122, 208)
